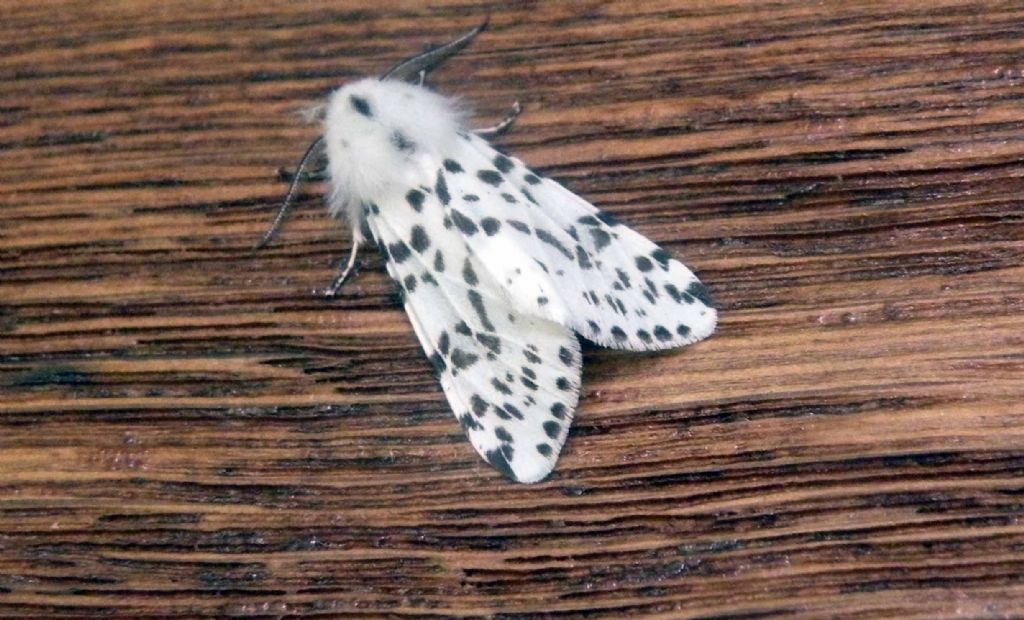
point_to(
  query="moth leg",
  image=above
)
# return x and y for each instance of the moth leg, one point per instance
(315, 169)
(315, 148)
(350, 266)
(420, 65)
(501, 127)
(316, 175)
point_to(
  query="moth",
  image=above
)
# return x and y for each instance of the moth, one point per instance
(500, 269)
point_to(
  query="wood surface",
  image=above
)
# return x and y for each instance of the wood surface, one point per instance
(185, 429)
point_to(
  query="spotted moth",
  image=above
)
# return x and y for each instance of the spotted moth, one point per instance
(499, 267)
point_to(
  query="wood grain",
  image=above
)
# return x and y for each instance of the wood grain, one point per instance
(186, 430)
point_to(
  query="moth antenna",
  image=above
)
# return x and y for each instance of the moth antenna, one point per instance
(290, 196)
(411, 69)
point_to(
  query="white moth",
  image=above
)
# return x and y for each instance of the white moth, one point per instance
(500, 268)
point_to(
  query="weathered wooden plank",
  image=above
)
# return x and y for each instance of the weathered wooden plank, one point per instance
(185, 429)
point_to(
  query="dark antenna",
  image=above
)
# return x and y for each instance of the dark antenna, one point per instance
(413, 69)
(290, 196)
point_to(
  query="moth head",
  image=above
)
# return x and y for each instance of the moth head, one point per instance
(381, 136)
(410, 120)
(376, 129)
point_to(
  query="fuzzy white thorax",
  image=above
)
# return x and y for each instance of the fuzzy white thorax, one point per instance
(384, 137)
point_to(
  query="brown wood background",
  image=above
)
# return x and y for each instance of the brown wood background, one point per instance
(186, 430)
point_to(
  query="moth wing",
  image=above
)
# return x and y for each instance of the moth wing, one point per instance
(560, 258)
(512, 379)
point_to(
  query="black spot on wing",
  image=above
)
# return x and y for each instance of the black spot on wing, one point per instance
(463, 223)
(452, 166)
(565, 355)
(607, 219)
(583, 258)
(563, 384)
(544, 449)
(619, 334)
(499, 385)
(399, 251)
(503, 435)
(683, 330)
(651, 286)
(490, 226)
(444, 343)
(531, 178)
(462, 359)
(643, 263)
(662, 257)
(462, 328)
(503, 163)
(513, 411)
(520, 226)
(468, 275)
(552, 429)
(478, 404)
(469, 423)
(661, 333)
(601, 238)
(699, 291)
(419, 239)
(559, 410)
(438, 362)
(490, 177)
(500, 462)
(674, 292)
(477, 302)
(438, 261)
(415, 199)
(441, 187)
(550, 239)
(410, 283)
(623, 277)
(492, 342)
